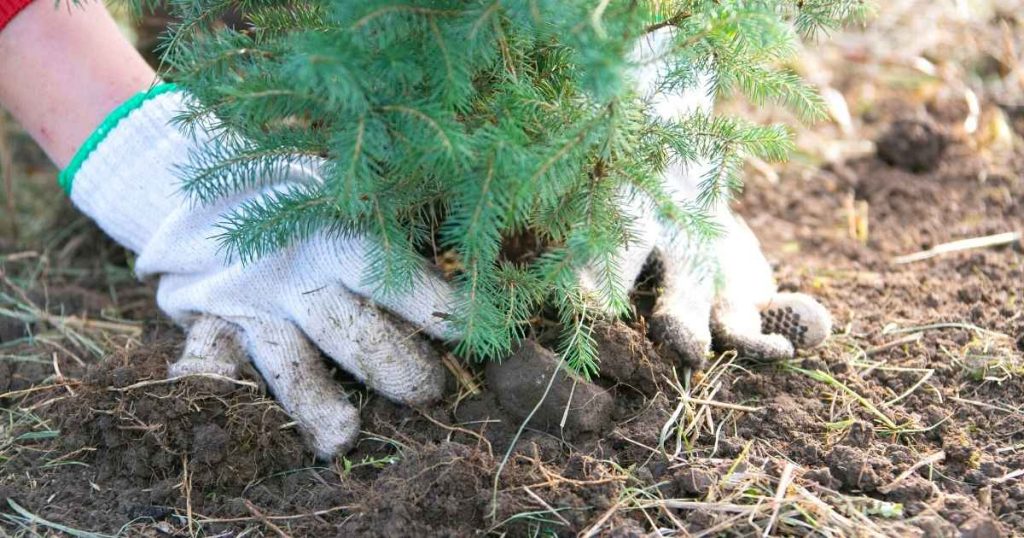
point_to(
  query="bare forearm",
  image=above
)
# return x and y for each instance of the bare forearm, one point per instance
(63, 69)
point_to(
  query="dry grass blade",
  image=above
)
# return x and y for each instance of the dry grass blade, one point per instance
(471, 433)
(986, 405)
(864, 526)
(706, 506)
(1005, 238)
(186, 490)
(827, 378)
(256, 513)
(780, 494)
(1012, 475)
(547, 506)
(7, 179)
(596, 527)
(32, 518)
(462, 376)
(924, 379)
(909, 339)
(927, 460)
(216, 377)
(723, 405)
(940, 326)
(37, 388)
(694, 414)
(212, 520)
(17, 305)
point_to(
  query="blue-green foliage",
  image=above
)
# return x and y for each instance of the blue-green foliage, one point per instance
(454, 124)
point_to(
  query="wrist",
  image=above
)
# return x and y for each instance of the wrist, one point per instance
(125, 176)
(108, 125)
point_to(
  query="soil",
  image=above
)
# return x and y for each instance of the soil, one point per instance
(113, 448)
(908, 422)
(912, 144)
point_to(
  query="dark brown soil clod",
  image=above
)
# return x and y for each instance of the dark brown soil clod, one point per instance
(520, 382)
(629, 358)
(913, 145)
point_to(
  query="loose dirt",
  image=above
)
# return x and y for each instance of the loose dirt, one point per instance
(908, 422)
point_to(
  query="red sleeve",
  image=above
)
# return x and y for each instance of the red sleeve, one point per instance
(9, 9)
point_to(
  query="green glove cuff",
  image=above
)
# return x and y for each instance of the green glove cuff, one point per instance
(67, 176)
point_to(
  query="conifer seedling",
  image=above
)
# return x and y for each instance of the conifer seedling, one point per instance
(455, 125)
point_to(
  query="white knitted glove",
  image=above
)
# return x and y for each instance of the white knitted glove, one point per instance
(279, 309)
(723, 287)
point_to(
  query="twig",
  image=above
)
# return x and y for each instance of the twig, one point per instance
(1008, 476)
(596, 527)
(956, 246)
(672, 21)
(985, 405)
(210, 520)
(60, 375)
(468, 432)
(545, 504)
(462, 377)
(908, 339)
(724, 405)
(217, 377)
(595, 17)
(928, 460)
(263, 519)
(186, 489)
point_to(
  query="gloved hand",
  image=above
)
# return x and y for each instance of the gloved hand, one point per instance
(719, 289)
(278, 310)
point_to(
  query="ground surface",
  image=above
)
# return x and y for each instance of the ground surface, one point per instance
(909, 422)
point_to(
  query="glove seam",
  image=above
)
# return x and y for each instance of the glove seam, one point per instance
(67, 176)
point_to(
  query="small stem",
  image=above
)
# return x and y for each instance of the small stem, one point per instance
(674, 20)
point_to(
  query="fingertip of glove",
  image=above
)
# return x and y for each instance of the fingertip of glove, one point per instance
(687, 348)
(427, 391)
(763, 347)
(333, 435)
(800, 318)
(420, 379)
